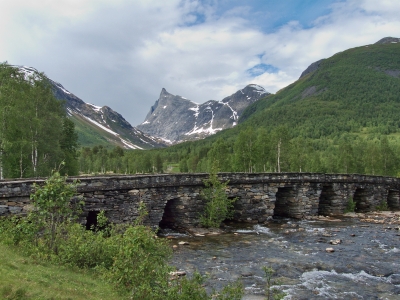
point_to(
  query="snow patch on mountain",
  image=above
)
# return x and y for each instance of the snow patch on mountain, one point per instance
(234, 116)
(196, 110)
(101, 126)
(130, 145)
(259, 88)
(94, 107)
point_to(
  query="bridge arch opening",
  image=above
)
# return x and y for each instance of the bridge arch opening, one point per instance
(360, 197)
(168, 219)
(285, 202)
(325, 200)
(393, 200)
(91, 219)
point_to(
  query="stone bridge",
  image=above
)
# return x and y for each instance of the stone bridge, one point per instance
(174, 200)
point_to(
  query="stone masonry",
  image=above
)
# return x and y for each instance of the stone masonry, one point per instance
(175, 201)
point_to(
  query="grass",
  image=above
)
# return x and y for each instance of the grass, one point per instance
(172, 168)
(24, 278)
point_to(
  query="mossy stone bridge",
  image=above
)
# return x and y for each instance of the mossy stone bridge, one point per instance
(174, 200)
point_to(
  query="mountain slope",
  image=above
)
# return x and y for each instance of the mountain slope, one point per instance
(177, 119)
(356, 90)
(99, 125)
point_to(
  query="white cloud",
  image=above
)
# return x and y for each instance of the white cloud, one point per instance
(121, 53)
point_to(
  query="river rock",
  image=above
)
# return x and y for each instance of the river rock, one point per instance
(205, 231)
(178, 273)
(183, 243)
(395, 278)
(335, 242)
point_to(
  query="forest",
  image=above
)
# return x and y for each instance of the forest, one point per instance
(254, 151)
(35, 134)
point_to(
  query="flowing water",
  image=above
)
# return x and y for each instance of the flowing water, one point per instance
(365, 263)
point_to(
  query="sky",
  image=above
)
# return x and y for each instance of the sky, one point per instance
(121, 53)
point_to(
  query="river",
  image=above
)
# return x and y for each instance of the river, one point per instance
(365, 263)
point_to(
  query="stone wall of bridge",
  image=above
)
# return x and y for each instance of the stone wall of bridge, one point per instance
(174, 200)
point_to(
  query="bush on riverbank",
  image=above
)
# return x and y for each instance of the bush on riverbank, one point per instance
(130, 257)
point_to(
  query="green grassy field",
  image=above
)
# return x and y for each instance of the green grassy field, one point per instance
(24, 278)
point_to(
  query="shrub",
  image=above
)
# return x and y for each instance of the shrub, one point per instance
(351, 206)
(54, 207)
(140, 263)
(218, 206)
(272, 293)
(383, 206)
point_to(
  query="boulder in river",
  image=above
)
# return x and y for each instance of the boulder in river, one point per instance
(335, 242)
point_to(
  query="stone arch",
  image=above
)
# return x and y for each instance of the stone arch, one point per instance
(393, 199)
(360, 197)
(326, 200)
(91, 219)
(169, 216)
(287, 204)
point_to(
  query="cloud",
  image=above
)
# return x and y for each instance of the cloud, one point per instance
(121, 53)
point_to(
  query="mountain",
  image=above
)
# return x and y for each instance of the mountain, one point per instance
(176, 119)
(341, 116)
(354, 91)
(99, 125)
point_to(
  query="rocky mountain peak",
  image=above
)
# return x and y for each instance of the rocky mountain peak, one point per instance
(175, 118)
(388, 40)
(311, 68)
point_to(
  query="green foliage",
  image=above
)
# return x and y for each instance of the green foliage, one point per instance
(35, 134)
(142, 214)
(351, 206)
(55, 206)
(233, 291)
(218, 206)
(69, 147)
(185, 288)
(272, 293)
(140, 263)
(383, 206)
(20, 231)
(7, 292)
(23, 277)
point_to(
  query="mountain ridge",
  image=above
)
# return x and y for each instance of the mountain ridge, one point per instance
(345, 85)
(98, 125)
(176, 119)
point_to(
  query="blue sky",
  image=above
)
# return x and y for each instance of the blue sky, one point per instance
(271, 14)
(121, 53)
